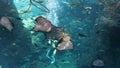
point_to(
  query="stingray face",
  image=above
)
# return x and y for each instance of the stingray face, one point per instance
(42, 24)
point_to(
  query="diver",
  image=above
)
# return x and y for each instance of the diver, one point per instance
(57, 38)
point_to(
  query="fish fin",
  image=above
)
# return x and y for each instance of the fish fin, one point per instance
(82, 35)
(36, 44)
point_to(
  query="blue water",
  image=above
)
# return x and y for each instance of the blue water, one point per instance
(93, 25)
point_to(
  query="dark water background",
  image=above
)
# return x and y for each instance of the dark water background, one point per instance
(94, 32)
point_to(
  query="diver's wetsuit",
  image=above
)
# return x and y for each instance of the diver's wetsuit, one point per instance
(54, 37)
(56, 33)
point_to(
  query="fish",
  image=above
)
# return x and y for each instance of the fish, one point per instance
(98, 63)
(65, 45)
(18, 18)
(99, 31)
(82, 35)
(14, 18)
(5, 22)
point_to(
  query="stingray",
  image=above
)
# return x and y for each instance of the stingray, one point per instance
(65, 45)
(98, 63)
(42, 24)
(5, 22)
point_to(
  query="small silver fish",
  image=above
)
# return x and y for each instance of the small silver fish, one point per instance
(5, 22)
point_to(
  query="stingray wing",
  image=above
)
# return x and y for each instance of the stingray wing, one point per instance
(65, 45)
